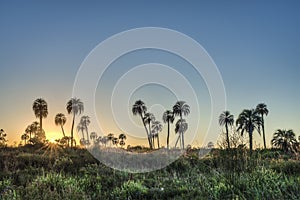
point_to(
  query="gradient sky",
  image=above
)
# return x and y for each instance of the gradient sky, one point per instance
(256, 46)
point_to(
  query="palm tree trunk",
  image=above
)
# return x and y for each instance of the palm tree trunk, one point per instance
(153, 142)
(250, 141)
(177, 140)
(72, 130)
(151, 136)
(87, 134)
(149, 140)
(181, 131)
(168, 134)
(62, 128)
(158, 141)
(227, 135)
(263, 129)
(41, 123)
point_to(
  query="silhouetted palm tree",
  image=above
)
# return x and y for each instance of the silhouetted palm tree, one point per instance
(40, 109)
(74, 106)
(85, 121)
(139, 108)
(81, 128)
(2, 137)
(226, 119)
(25, 137)
(29, 131)
(104, 140)
(168, 117)
(115, 141)
(93, 136)
(60, 120)
(110, 137)
(284, 139)
(181, 126)
(179, 109)
(122, 137)
(157, 128)
(149, 118)
(262, 110)
(248, 121)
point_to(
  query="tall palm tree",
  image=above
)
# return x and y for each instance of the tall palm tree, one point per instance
(110, 137)
(60, 120)
(157, 128)
(149, 118)
(139, 108)
(168, 117)
(226, 119)
(74, 106)
(284, 139)
(40, 109)
(262, 110)
(179, 109)
(122, 137)
(181, 126)
(249, 120)
(85, 121)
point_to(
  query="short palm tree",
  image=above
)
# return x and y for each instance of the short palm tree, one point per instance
(168, 117)
(122, 138)
(179, 109)
(115, 141)
(181, 127)
(93, 136)
(85, 121)
(139, 108)
(29, 131)
(25, 137)
(110, 137)
(75, 107)
(249, 120)
(60, 120)
(157, 128)
(226, 119)
(262, 110)
(284, 139)
(40, 109)
(81, 128)
(3, 137)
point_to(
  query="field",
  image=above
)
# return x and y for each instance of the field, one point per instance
(31, 172)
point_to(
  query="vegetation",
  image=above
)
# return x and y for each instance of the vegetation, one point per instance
(40, 169)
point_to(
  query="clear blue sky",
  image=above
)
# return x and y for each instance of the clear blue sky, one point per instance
(256, 46)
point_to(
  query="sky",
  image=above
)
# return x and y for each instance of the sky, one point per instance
(255, 45)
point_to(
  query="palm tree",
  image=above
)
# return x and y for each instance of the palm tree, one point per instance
(248, 121)
(262, 110)
(24, 137)
(81, 128)
(85, 121)
(148, 119)
(181, 126)
(40, 109)
(226, 119)
(156, 127)
(168, 117)
(104, 140)
(60, 120)
(284, 139)
(139, 108)
(110, 137)
(115, 141)
(122, 137)
(74, 106)
(179, 109)
(93, 136)
(2, 137)
(29, 131)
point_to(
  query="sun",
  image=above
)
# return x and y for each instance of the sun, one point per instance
(52, 140)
